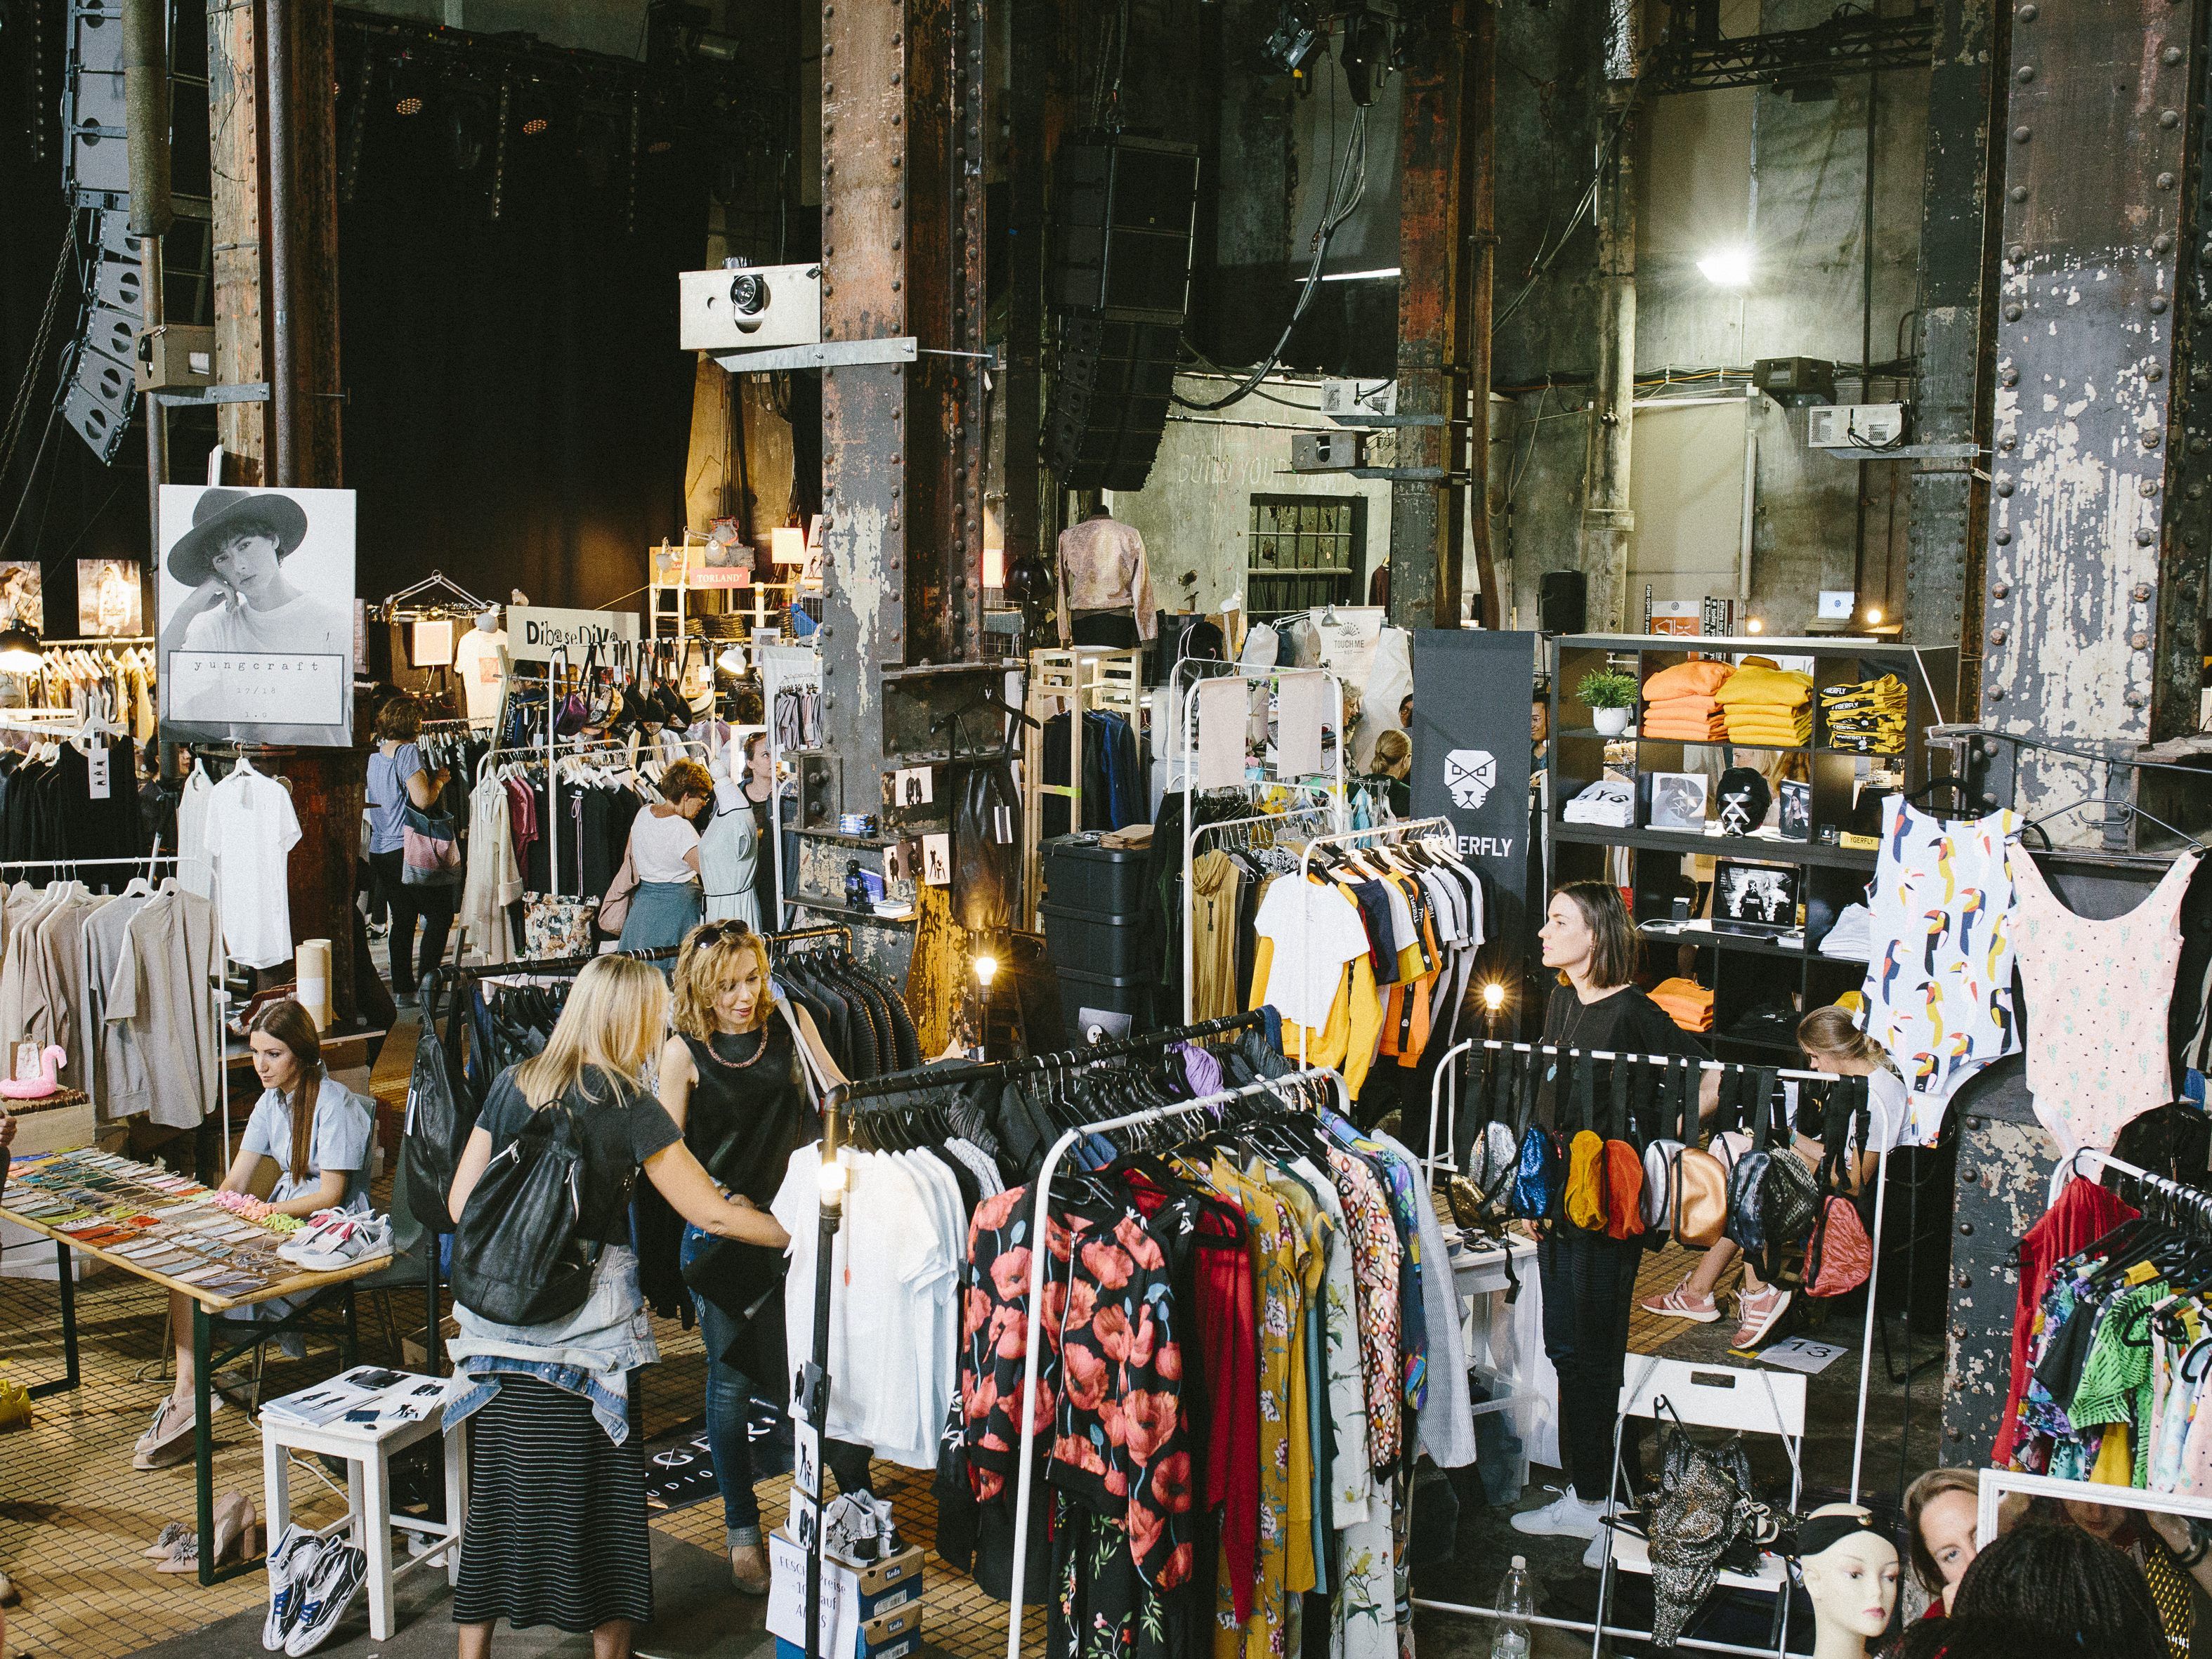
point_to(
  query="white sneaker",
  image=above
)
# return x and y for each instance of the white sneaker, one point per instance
(340, 1572)
(1565, 1516)
(291, 1565)
(357, 1239)
(310, 1235)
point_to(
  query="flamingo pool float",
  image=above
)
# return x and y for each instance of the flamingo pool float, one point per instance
(48, 1083)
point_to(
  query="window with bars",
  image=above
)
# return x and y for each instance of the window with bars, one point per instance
(1303, 552)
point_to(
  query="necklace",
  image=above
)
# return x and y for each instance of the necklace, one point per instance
(759, 1048)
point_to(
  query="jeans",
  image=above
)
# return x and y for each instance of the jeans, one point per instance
(433, 905)
(1590, 1288)
(729, 1433)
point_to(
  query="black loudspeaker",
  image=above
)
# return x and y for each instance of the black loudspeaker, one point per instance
(1124, 209)
(1109, 401)
(1563, 602)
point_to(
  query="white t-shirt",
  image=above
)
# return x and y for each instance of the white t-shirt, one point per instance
(479, 660)
(251, 832)
(339, 1141)
(658, 845)
(1894, 1108)
(1317, 930)
(195, 874)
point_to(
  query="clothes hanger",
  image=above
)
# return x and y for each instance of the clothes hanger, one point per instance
(2126, 807)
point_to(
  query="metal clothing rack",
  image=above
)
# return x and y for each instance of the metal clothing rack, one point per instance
(1377, 835)
(794, 667)
(813, 1389)
(1446, 1073)
(1191, 672)
(1319, 812)
(1072, 680)
(1595, 1628)
(1208, 1105)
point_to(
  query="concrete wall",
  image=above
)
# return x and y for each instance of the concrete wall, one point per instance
(1786, 177)
(1194, 511)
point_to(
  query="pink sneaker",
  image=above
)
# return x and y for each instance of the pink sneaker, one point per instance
(1761, 1313)
(1679, 1304)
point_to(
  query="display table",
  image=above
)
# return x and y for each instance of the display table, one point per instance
(312, 1292)
(1477, 1273)
(367, 1450)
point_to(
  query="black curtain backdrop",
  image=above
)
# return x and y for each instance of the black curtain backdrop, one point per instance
(519, 411)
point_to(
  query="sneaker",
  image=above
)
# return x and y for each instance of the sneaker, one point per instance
(340, 1572)
(358, 1240)
(1565, 1516)
(1761, 1313)
(311, 1234)
(1679, 1304)
(291, 1565)
(167, 1438)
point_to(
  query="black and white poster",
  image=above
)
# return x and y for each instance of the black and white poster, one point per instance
(1472, 755)
(256, 602)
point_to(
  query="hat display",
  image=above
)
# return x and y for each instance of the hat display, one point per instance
(221, 514)
(1744, 798)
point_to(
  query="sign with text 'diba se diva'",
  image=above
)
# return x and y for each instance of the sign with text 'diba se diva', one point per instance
(1472, 751)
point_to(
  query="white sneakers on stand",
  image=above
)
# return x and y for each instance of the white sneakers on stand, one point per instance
(338, 1238)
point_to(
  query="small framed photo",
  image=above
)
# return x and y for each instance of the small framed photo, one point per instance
(916, 786)
(1678, 801)
(1796, 809)
(937, 861)
(902, 860)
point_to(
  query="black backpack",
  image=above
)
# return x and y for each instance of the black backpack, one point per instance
(516, 1258)
(438, 1127)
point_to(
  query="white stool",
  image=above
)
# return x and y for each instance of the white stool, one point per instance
(367, 1454)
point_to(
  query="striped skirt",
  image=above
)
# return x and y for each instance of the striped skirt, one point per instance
(557, 1532)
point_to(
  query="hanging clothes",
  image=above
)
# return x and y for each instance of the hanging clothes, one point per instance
(1940, 998)
(2099, 991)
(729, 858)
(493, 883)
(252, 830)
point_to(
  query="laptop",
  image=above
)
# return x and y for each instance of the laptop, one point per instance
(1758, 899)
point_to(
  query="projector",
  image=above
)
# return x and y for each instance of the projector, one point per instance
(747, 307)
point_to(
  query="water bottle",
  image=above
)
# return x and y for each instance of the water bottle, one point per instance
(1516, 1600)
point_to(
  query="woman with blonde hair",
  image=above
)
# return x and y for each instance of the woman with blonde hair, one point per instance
(556, 1530)
(1832, 1044)
(739, 1078)
(663, 855)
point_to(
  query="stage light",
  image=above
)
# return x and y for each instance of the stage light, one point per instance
(1754, 626)
(411, 105)
(1727, 267)
(1874, 618)
(19, 649)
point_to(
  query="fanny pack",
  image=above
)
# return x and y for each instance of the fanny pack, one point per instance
(1662, 1154)
(1537, 1178)
(1622, 1173)
(1486, 1147)
(1584, 1196)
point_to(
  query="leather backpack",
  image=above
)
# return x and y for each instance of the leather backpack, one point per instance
(1839, 1256)
(436, 1127)
(517, 1258)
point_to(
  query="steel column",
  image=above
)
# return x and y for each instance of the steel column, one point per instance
(1436, 185)
(1608, 524)
(2090, 615)
(1958, 262)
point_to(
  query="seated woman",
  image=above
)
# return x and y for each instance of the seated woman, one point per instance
(316, 1131)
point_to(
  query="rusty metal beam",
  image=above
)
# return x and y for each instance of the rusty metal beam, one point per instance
(1958, 240)
(1481, 246)
(234, 122)
(2093, 592)
(1436, 185)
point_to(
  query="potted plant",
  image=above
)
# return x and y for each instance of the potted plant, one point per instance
(1610, 695)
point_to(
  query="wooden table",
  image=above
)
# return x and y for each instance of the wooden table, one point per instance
(312, 1289)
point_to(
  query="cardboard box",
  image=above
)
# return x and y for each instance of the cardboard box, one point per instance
(864, 1608)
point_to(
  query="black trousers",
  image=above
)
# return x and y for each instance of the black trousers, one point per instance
(434, 906)
(1590, 1288)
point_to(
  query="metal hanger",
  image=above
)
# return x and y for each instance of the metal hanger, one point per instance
(2127, 807)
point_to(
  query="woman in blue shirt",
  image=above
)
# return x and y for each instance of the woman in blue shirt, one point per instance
(397, 780)
(317, 1132)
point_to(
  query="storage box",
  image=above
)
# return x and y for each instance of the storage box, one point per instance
(873, 1609)
(1080, 874)
(1107, 993)
(1092, 941)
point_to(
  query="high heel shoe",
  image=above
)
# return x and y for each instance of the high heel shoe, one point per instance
(165, 1540)
(233, 1524)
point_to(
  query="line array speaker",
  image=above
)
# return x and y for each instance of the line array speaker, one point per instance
(1109, 402)
(1125, 209)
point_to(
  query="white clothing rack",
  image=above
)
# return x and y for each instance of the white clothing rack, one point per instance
(1376, 835)
(1182, 693)
(1319, 808)
(1041, 1221)
(1886, 1134)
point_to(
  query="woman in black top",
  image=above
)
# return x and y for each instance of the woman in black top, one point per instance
(1590, 1278)
(734, 1080)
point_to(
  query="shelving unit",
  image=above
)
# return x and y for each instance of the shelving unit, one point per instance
(1745, 972)
(1068, 680)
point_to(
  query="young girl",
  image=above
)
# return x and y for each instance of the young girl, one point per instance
(735, 1081)
(316, 1131)
(1834, 1044)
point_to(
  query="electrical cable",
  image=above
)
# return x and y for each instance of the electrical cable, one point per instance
(11, 436)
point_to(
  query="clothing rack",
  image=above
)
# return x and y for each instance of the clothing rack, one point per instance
(99, 642)
(1208, 1105)
(795, 667)
(1446, 1073)
(1377, 835)
(1074, 680)
(1319, 812)
(1182, 692)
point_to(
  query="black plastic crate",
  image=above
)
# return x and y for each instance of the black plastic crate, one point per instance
(1123, 994)
(1080, 874)
(1091, 941)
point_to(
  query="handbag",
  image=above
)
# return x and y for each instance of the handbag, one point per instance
(1839, 1256)
(430, 852)
(516, 1258)
(439, 1118)
(554, 925)
(1487, 1150)
(573, 712)
(614, 906)
(1660, 1197)
(1621, 1166)
(1704, 1508)
(1536, 1172)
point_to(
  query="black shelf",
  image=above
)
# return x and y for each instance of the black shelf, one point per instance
(1733, 847)
(1703, 938)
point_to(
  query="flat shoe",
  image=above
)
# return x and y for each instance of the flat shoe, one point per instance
(1677, 1304)
(748, 1570)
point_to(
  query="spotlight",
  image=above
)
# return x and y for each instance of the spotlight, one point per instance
(1727, 267)
(1493, 996)
(733, 659)
(1874, 618)
(411, 105)
(19, 649)
(410, 87)
(1754, 626)
(534, 126)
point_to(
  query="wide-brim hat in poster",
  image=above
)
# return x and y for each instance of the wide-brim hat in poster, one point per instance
(257, 589)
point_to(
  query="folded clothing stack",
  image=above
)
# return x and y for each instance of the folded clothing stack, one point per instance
(1679, 703)
(1686, 1002)
(1866, 717)
(1769, 707)
(1852, 937)
(1608, 801)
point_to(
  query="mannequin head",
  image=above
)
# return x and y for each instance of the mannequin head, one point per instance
(1849, 1571)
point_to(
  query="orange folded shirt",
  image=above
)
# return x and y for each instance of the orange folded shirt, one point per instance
(1686, 1002)
(1688, 679)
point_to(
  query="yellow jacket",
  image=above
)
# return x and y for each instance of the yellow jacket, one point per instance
(1355, 1018)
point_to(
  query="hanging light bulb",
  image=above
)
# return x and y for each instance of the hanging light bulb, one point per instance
(19, 649)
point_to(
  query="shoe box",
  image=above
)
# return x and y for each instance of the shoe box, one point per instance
(874, 1606)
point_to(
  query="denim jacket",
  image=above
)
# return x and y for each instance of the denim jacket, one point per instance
(590, 1352)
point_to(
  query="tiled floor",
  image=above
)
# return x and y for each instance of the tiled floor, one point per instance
(74, 1515)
